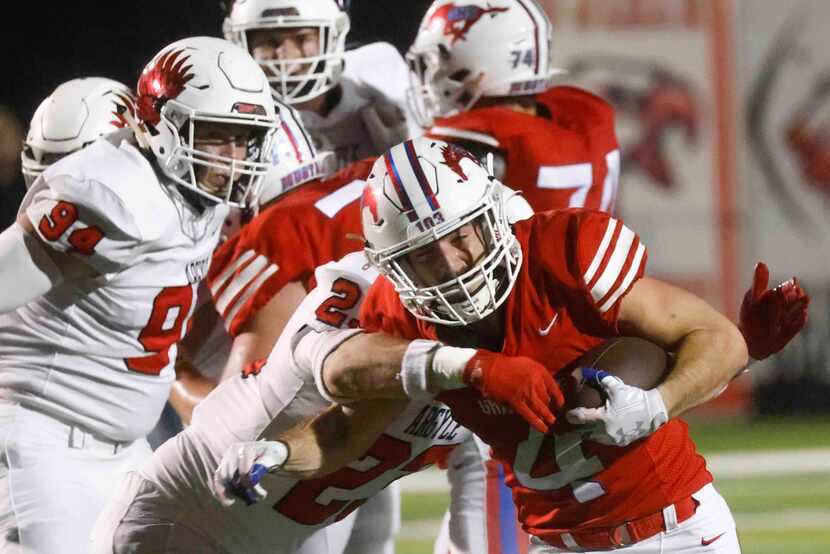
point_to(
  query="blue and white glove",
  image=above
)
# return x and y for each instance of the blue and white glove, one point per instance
(243, 466)
(629, 414)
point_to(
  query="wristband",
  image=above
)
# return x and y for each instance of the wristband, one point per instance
(448, 366)
(415, 368)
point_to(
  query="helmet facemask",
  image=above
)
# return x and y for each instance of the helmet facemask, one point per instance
(187, 164)
(468, 297)
(437, 91)
(299, 80)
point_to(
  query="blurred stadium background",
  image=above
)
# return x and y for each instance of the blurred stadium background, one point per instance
(723, 111)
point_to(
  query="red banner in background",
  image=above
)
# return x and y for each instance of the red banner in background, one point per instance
(666, 66)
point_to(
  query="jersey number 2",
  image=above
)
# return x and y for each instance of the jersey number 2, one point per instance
(160, 334)
(346, 296)
(314, 501)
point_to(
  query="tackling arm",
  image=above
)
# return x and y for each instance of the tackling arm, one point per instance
(311, 450)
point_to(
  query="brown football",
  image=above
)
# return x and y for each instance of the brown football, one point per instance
(636, 361)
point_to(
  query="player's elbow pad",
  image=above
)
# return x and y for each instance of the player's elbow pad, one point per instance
(26, 270)
(310, 348)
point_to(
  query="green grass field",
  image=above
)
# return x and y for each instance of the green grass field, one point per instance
(780, 514)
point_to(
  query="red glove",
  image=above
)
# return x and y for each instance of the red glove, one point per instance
(523, 384)
(771, 318)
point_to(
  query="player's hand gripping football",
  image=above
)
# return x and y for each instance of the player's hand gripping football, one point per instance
(522, 383)
(243, 466)
(630, 413)
(771, 318)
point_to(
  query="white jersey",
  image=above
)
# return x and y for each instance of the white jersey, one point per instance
(99, 352)
(375, 77)
(282, 394)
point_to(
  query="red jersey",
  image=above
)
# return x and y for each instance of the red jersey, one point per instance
(578, 265)
(568, 160)
(309, 226)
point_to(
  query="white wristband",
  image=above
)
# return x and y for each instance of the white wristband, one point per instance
(656, 408)
(414, 368)
(448, 367)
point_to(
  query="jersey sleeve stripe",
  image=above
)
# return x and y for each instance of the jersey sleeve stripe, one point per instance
(565, 176)
(611, 181)
(633, 271)
(615, 265)
(603, 246)
(462, 134)
(249, 292)
(239, 282)
(333, 202)
(220, 281)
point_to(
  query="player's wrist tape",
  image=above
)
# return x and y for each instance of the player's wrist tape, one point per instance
(448, 367)
(415, 368)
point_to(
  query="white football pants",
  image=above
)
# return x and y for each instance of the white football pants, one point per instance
(54, 480)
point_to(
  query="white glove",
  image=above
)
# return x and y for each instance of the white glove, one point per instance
(629, 414)
(242, 468)
(386, 124)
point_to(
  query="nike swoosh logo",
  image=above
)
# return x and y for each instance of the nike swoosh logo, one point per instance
(544, 332)
(704, 542)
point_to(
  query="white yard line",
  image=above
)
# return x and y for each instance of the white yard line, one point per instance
(724, 466)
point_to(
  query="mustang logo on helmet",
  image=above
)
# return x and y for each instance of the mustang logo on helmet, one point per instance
(368, 200)
(452, 158)
(458, 20)
(160, 81)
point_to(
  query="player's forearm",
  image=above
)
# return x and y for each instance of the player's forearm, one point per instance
(381, 366)
(707, 360)
(335, 437)
(366, 366)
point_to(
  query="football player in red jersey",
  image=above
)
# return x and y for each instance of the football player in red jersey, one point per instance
(549, 288)
(482, 79)
(482, 76)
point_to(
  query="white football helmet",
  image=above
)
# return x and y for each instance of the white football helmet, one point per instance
(482, 48)
(324, 69)
(294, 159)
(206, 80)
(420, 191)
(73, 116)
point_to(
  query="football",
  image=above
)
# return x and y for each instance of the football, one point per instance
(636, 361)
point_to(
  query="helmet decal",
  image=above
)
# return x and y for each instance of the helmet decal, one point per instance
(452, 158)
(368, 200)
(395, 177)
(412, 156)
(126, 104)
(163, 80)
(457, 20)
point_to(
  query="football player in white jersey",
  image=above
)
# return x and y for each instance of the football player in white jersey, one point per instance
(168, 506)
(353, 102)
(76, 114)
(98, 277)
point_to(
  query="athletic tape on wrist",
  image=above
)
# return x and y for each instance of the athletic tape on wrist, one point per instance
(448, 366)
(415, 368)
